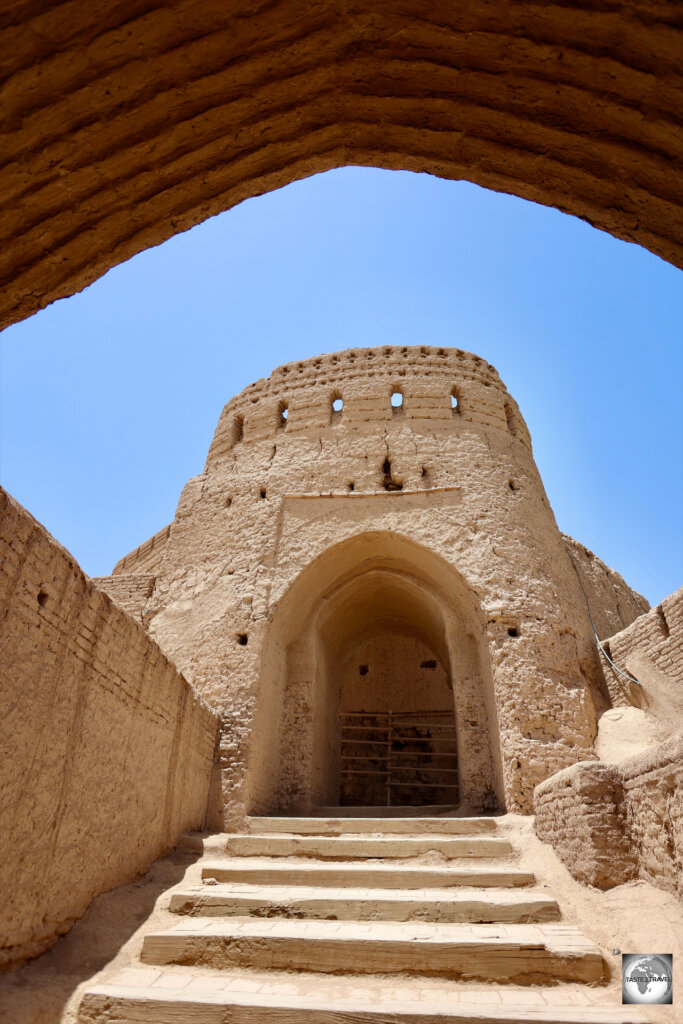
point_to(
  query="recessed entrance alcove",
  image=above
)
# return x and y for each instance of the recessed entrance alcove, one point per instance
(375, 686)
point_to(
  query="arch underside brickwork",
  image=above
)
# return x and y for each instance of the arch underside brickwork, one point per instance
(126, 123)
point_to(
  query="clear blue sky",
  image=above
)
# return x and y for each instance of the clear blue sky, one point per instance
(110, 398)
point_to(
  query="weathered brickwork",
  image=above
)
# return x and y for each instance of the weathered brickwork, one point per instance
(431, 502)
(653, 801)
(129, 591)
(612, 603)
(107, 753)
(651, 650)
(575, 105)
(580, 812)
(610, 823)
(145, 558)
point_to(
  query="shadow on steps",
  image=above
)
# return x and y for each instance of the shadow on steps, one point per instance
(42, 990)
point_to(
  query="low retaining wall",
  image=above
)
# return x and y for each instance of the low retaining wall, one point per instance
(106, 751)
(609, 823)
(580, 812)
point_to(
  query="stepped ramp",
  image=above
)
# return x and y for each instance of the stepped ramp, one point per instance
(415, 919)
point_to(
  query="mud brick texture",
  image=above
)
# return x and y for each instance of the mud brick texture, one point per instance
(106, 752)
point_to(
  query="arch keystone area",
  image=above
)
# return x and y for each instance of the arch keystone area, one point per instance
(125, 124)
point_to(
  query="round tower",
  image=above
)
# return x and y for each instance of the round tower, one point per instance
(368, 583)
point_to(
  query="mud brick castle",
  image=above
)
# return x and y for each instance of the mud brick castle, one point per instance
(359, 735)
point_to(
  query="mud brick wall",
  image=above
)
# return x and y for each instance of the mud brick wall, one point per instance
(609, 823)
(106, 753)
(651, 649)
(574, 105)
(580, 812)
(653, 801)
(147, 557)
(612, 602)
(129, 591)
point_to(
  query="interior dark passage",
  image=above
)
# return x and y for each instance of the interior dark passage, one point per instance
(397, 726)
(394, 732)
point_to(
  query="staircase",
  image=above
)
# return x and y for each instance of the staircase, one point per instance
(340, 920)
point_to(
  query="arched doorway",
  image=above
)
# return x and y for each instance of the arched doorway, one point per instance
(396, 741)
(375, 687)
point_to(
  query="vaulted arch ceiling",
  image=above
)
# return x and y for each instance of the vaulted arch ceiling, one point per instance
(124, 123)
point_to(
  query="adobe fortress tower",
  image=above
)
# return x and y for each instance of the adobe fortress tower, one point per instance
(371, 538)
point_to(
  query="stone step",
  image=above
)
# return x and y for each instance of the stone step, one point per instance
(191, 1004)
(347, 904)
(359, 874)
(357, 847)
(525, 954)
(328, 826)
(430, 810)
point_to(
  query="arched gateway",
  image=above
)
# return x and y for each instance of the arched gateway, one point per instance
(375, 595)
(376, 685)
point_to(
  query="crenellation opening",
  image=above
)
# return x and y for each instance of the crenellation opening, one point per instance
(455, 400)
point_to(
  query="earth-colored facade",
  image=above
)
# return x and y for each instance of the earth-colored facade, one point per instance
(371, 535)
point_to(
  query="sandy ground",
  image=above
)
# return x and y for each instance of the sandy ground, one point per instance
(633, 918)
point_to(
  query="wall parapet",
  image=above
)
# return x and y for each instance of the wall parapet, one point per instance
(107, 751)
(440, 388)
(147, 556)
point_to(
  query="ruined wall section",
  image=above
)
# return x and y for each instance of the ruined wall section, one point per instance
(610, 823)
(146, 557)
(580, 812)
(651, 650)
(130, 591)
(107, 751)
(613, 604)
(460, 481)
